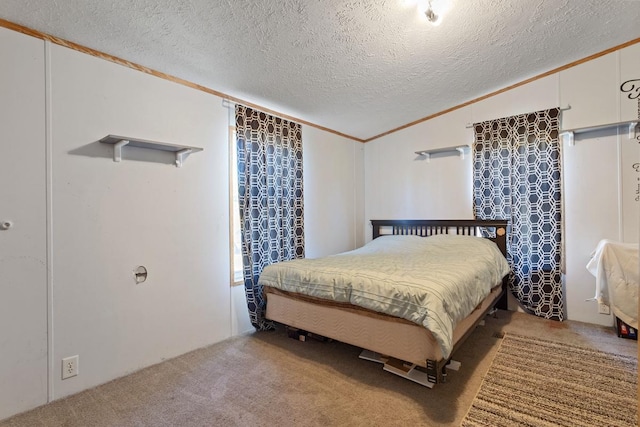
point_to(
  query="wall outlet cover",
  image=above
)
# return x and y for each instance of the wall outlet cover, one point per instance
(603, 309)
(70, 367)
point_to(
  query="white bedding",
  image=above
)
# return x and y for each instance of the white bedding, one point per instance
(432, 281)
(615, 267)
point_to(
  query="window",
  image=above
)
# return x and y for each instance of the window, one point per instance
(235, 237)
(516, 176)
(270, 199)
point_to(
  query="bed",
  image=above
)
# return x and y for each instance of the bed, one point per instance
(399, 335)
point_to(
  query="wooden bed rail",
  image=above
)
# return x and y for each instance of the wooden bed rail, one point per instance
(493, 229)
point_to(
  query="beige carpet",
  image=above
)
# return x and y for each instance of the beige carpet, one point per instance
(267, 379)
(535, 382)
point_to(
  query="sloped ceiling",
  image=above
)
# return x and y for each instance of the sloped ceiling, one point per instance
(360, 67)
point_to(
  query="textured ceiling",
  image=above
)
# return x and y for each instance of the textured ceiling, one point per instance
(360, 67)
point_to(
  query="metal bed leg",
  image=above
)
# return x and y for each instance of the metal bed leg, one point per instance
(432, 371)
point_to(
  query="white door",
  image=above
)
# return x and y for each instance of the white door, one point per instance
(23, 271)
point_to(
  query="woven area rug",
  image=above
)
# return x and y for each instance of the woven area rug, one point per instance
(533, 382)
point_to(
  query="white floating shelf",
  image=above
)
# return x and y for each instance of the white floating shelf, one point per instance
(460, 149)
(570, 133)
(181, 151)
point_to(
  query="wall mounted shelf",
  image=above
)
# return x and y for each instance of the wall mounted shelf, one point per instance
(118, 142)
(460, 149)
(570, 133)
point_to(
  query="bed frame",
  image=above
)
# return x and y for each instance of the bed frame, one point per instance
(383, 334)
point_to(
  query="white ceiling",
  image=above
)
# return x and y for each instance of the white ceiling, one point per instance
(361, 67)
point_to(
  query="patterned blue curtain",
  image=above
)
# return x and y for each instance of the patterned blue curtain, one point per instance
(271, 203)
(516, 176)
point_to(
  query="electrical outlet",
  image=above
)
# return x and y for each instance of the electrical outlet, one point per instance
(69, 367)
(603, 308)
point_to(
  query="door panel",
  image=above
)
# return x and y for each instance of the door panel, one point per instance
(23, 263)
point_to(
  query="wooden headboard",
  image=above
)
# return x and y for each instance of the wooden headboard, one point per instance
(495, 228)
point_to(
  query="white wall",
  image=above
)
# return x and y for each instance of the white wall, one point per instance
(592, 212)
(596, 204)
(333, 188)
(399, 185)
(107, 218)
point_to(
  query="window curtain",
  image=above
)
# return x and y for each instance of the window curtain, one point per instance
(270, 198)
(517, 176)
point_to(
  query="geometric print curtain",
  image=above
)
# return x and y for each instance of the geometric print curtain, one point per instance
(517, 176)
(270, 197)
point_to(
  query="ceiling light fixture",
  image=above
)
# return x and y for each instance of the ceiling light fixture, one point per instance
(431, 15)
(433, 10)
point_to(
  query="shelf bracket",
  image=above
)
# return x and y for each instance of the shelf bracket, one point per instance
(569, 137)
(633, 130)
(117, 150)
(181, 156)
